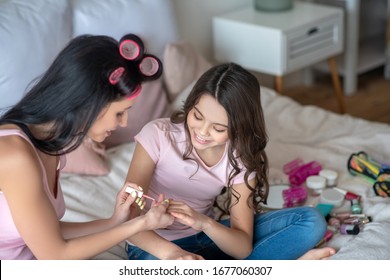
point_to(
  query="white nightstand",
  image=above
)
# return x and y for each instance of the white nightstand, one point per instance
(283, 42)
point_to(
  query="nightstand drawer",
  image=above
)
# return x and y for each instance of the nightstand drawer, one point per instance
(310, 44)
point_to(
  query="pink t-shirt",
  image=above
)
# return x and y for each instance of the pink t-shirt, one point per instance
(12, 245)
(184, 180)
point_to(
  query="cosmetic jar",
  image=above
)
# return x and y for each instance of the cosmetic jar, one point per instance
(330, 176)
(316, 184)
(331, 196)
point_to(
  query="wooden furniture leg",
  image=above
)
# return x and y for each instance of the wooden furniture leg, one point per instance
(279, 84)
(336, 83)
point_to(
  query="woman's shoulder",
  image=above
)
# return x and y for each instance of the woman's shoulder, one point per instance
(14, 147)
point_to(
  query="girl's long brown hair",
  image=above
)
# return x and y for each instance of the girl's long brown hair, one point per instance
(238, 91)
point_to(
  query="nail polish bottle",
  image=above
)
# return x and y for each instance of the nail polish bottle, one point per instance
(355, 207)
(328, 235)
(334, 222)
(341, 215)
(349, 229)
(347, 195)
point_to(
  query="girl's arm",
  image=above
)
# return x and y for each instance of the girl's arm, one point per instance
(235, 241)
(36, 219)
(141, 170)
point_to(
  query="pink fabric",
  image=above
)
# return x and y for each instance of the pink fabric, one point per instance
(182, 180)
(12, 245)
(88, 159)
(183, 64)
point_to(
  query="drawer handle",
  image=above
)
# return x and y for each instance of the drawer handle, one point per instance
(312, 31)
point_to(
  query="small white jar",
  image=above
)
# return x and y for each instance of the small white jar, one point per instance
(330, 176)
(332, 196)
(316, 184)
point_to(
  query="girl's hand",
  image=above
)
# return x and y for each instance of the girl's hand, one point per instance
(187, 216)
(124, 205)
(157, 216)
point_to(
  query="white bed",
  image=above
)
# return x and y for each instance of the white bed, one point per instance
(295, 131)
(307, 132)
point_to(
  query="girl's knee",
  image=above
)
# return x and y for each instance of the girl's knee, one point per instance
(315, 220)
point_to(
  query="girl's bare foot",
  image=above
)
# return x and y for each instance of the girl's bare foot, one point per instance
(318, 254)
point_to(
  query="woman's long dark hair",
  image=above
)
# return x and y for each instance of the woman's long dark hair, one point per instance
(72, 92)
(238, 91)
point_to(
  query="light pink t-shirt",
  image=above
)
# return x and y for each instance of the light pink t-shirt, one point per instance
(184, 180)
(12, 245)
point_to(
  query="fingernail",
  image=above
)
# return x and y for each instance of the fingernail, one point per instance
(166, 200)
(133, 194)
(137, 200)
(142, 206)
(140, 188)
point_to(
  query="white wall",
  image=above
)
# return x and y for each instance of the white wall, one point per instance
(195, 26)
(195, 20)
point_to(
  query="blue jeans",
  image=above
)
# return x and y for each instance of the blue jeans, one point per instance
(278, 235)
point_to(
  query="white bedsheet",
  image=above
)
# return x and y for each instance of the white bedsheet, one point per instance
(312, 133)
(295, 131)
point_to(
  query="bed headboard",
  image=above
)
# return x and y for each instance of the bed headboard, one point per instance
(33, 32)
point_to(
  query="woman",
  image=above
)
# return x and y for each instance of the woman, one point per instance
(86, 92)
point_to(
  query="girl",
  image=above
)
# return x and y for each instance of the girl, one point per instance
(86, 92)
(217, 142)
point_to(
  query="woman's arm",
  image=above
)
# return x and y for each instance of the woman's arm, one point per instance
(36, 219)
(122, 210)
(235, 241)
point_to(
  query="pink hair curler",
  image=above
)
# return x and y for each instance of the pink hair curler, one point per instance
(150, 66)
(116, 75)
(131, 47)
(134, 93)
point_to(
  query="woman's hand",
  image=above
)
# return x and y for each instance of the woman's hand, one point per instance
(124, 204)
(187, 216)
(157, 216)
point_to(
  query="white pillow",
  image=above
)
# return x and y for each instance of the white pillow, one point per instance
(31, 34)
(153, 20)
